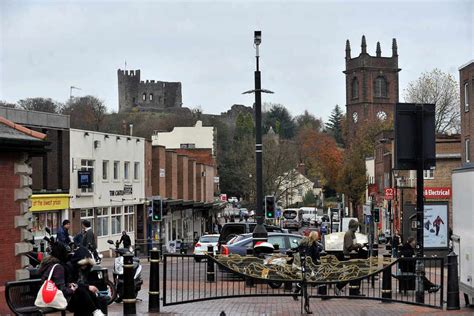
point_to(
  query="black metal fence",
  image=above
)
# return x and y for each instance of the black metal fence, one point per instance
(185, 280)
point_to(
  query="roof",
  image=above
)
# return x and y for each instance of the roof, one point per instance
(17, 138)
(466, 64)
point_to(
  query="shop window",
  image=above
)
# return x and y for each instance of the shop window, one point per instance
(116, 219)
(126, 170)
(116, 170)
(105, 170)
(41, 220)
(88, 213)
(136, 171)
(88, 165)
(103, 220)
(128, 218)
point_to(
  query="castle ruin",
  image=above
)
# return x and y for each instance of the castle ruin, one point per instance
(149, 95)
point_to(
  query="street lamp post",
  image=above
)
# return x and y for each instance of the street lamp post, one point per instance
(259, 233)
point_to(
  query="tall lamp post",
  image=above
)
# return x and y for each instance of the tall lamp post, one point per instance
(259, 233)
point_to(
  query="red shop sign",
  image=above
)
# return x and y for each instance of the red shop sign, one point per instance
(437, 193)
(389, 193)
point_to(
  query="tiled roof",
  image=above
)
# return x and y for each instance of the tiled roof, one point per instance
(10, 130)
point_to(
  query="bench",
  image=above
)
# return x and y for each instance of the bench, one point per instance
(406, 280)
(21, 296)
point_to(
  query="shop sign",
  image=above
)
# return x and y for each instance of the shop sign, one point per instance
(389, 193)
(49, 202)
(437, 193)
(162, 173)
(127, 190)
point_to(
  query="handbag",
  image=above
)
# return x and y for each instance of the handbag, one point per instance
(49, 295)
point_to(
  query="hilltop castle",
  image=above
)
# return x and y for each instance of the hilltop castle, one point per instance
(149, 95)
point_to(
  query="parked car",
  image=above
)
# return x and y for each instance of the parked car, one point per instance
(284, 241)
(230, 230)
(200, 248)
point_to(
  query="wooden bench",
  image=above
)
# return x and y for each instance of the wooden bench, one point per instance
(21, 296)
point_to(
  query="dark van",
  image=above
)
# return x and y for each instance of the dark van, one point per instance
(230, 230)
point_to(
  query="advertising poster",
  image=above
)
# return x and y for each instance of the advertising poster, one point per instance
(435, 226)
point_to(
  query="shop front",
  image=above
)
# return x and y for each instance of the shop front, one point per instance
(49, 210)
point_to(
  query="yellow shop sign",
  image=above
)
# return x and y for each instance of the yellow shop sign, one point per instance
(48, 202)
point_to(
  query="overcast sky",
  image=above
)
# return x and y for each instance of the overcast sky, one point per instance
(47, 46)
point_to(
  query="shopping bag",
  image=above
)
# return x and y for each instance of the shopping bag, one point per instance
(49, 295)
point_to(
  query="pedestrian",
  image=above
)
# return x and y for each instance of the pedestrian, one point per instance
(63, 233)
(395, 244)
(88, 237)
(409, 265)
(127, 242)
(80, 301)
(310, 247)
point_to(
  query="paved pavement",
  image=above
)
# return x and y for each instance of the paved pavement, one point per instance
(278, 305)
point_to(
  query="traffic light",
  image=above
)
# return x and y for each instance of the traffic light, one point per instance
(376, 215)
(157, 211)
(270, 207)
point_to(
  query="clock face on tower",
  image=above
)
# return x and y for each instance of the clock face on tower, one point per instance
(355, 117)
(381, 115)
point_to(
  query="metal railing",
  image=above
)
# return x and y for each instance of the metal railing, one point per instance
(188, 279)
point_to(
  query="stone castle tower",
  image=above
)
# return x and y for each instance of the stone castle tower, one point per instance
(371, 86)
(147, 95)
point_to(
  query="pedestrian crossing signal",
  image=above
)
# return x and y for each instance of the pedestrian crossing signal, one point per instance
(157, 212)
(270, 207)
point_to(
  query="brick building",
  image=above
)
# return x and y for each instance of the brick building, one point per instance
(17, 146)
(437, 182)
(466, 81)
(371, 85)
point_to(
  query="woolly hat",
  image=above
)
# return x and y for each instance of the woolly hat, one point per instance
(82, 256)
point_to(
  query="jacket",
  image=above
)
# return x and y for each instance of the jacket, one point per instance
(89, 239)
(349, 242)
(59, 274)
(63, 236)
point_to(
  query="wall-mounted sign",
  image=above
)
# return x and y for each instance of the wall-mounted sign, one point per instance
(389, 193)
(437, 193)
(216, 179)
(49, 202)
(84, 179)
(435, 226)
(162, 173)
(127, 190)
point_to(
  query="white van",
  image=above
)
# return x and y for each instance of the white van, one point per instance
(309, 215)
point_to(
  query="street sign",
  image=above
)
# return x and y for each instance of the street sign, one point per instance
(389, 193)
(437, 193)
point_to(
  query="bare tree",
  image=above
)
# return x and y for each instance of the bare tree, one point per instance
(40, 104)
(7, 104)
(86, 112)
(441, 89)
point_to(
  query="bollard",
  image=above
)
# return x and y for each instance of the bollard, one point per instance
(210, 265)
(129, 300)
(419, 288)
(42, 246)
(387, 283)
(354, 288)
(453, 282)
(249, 280)
(154, 291)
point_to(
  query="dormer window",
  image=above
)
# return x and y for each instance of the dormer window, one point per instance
(355, 88)
(380, 87)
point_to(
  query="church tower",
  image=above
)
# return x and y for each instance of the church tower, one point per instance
(371, 86)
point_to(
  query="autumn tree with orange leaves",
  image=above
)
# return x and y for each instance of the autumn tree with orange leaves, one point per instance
(321, 155)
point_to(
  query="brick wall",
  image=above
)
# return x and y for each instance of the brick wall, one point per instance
(209, 183)
(158, 162)
(200, 189)
(203, 156)
(183, 191)
(171, 174)
(192, 179)
(466, 75)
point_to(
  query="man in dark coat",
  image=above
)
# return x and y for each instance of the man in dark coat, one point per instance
(127, 242)
(63, 233)
(88, 239)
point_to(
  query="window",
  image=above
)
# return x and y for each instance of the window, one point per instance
(150, 97)
(136, 171)
(277, 240)
(88, 213)
(116, 219)
(126, 170)
(105, 170)
(428, 174)
(294, 241)
(380, 87)
(128, 218)
(300, 191)
(355, 88)
(102, 221)
(467, 145)
(116, 170)
(88, 165)
(466, 97)
(144, 97)
(40, 220)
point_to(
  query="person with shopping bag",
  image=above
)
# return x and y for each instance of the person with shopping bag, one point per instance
(56, 292)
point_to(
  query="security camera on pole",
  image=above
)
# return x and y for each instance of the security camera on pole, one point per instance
(259, 233)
